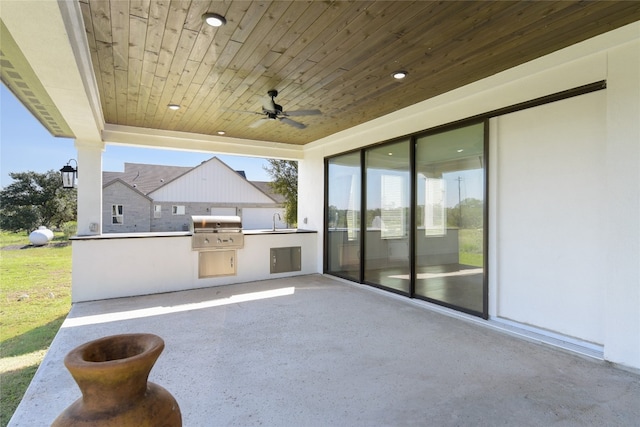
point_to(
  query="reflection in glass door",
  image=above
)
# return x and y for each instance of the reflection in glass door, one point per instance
(343, 216)
(388, 203)
(450, 209)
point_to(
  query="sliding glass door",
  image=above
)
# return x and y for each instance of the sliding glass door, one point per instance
(388, 202)
(449, 229)
(343, 216)
(409, 216)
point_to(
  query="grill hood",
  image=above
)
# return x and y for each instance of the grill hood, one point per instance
(215, 223)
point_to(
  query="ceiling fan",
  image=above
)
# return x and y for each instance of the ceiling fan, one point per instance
(273, 111)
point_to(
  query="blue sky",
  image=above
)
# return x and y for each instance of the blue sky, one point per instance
(25, 145)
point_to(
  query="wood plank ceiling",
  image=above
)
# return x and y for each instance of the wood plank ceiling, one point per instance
(336, 56)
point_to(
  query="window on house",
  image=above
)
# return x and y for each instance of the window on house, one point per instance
(117, 216)
(157, 211)
(177, 210)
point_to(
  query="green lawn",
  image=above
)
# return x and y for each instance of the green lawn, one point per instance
(35, 296)
(471, 247)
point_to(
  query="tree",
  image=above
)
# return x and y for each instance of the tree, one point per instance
(35, 199)
(466, 214)
(284, 174)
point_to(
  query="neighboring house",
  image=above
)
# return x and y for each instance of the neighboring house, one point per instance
(147, 197)
(121, 201)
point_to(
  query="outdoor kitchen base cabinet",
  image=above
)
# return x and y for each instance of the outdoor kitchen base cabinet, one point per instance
(216, 263)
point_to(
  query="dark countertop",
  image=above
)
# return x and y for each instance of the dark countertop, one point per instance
(184, 234)
(277, 231)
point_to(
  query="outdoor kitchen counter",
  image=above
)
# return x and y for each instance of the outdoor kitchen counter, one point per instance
(130, 264)
(133, 235)
(277, 231)
(184, 233)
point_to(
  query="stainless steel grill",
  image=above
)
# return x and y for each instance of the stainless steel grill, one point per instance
(216, 232)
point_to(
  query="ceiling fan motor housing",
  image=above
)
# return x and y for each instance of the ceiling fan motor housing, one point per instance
(274, 111)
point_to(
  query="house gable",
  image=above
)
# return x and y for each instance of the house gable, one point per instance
(211, 182)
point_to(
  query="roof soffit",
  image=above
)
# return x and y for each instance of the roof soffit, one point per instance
(41, 34)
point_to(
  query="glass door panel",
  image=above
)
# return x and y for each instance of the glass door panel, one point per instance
(449, 232)
(343, 221)
(388, 184)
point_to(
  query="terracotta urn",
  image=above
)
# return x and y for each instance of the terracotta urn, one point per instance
(112, 374)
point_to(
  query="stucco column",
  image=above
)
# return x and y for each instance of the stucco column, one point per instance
(622, 221)
(311, 199)
(89, 187)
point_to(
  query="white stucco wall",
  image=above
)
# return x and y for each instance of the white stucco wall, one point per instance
(615, 203)
(551, 218)
(622, 228)
(148, 263)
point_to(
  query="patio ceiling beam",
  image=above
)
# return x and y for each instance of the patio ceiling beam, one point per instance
(154, 138)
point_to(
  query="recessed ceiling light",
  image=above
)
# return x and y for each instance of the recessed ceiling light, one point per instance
(214, 19)
(391, 154)
(221, 132)
(460, 150)
(399, 75)
(173, 106)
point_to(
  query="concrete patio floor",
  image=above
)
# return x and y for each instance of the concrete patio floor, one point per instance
(313, 351)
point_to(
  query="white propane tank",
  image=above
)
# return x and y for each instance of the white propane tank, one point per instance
(41, 236)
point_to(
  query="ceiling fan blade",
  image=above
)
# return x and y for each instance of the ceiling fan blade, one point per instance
(292, 123)
(259, 122)
(303, 113)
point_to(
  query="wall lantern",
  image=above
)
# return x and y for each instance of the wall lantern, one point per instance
(69, 174)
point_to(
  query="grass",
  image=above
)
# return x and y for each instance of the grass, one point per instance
(471, 247)
(35, 297)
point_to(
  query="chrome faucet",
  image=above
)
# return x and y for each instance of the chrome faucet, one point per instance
(274, 220)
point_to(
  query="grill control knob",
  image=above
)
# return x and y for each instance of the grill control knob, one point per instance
(206, 240)
(231, 239)
(219, 240)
